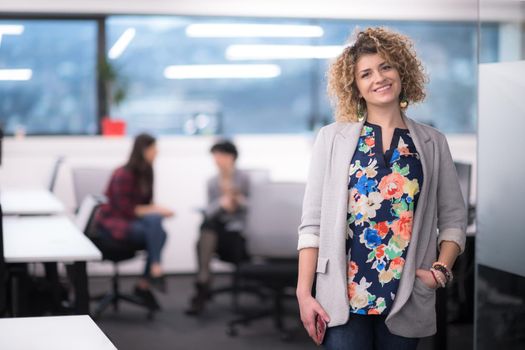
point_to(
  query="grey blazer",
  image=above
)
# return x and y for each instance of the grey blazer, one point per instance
(323, 224)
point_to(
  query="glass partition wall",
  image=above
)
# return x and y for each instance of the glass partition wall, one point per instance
(500, 238)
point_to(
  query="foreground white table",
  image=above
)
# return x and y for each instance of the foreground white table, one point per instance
(57, 333)
(30, 202)
(46, 239)
(51, 239)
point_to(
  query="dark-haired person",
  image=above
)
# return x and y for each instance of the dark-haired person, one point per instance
(380, 187)
(131, 217)
(224, 219)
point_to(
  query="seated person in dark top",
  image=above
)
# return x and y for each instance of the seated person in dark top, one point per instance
(224, 219)
(130, 217)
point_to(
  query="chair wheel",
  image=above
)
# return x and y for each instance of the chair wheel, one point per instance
(232, 331)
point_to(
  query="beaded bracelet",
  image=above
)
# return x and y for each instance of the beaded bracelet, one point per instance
(439, 266)
(438, 277)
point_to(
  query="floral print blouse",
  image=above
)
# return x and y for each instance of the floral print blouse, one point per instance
(383, 193)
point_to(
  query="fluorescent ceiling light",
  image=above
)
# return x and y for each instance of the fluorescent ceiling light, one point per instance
(121, 44)
(230, 30)
(15, 74)
(10, 29)
(223, 71)
(281, 52)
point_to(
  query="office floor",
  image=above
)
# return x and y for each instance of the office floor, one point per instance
(171, 329)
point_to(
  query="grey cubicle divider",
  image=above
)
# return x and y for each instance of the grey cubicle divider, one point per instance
(273, 218)
(3, 269)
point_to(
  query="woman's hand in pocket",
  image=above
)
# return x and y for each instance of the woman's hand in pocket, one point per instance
(426, 277)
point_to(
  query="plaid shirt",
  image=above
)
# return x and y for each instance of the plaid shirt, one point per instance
(123, 196)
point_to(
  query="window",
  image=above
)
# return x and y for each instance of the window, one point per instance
(48, 76)
(266, 96)
(211, 75)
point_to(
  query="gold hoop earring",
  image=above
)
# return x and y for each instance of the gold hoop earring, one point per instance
(403, 101)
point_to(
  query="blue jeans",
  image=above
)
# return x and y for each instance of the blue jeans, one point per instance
(148, 232)
(366, 332)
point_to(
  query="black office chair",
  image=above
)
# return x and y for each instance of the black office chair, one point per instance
(273, 277)
(113, 252)
(234, 287)
(275, 213)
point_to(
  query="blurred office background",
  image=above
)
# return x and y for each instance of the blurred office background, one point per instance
(189, 72)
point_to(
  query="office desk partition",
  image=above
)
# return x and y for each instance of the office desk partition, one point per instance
(30, 202)
(57, 333)
(51, 239)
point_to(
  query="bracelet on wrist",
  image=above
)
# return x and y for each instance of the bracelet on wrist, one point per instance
(441, 267)
(440, 280)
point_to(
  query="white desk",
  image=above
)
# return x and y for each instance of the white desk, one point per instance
(57, 333)
(30, 202)
(46, 239)
(54, 239)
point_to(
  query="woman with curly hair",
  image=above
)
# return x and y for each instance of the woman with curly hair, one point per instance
(380, 188)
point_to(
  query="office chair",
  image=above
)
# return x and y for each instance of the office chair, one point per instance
(54, 173)
(275, 214)
(257, 177)
(90, 181)
(111, 251)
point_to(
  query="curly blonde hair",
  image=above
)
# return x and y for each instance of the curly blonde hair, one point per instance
(396, 49)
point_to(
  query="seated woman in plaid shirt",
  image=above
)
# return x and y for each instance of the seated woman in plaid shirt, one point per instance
(130, 217)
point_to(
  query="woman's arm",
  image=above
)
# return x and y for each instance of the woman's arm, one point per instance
(448, 253)
(313, 195)
(147, 209)
(452, 216)
(308, 243)
(309, 308)
(307, 265)
(452, 212)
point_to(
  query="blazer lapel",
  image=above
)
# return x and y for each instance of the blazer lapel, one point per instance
(344, 147)
(345, 143)
(425, 149)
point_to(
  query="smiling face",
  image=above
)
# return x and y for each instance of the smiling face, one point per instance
(378, 81)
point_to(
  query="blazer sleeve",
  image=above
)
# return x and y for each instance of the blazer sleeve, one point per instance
(452, 213)
(311, 214)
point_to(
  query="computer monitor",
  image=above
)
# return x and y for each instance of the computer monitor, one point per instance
(464, 171)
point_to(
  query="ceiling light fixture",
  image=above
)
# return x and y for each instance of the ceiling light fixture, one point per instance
(281, 52)
(122, 43)
(223, 71)
(236, 30)
(15, 74)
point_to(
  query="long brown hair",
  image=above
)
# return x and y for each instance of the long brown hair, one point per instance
(137, 164)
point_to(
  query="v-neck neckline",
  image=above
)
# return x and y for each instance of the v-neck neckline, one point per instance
(384, 157)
